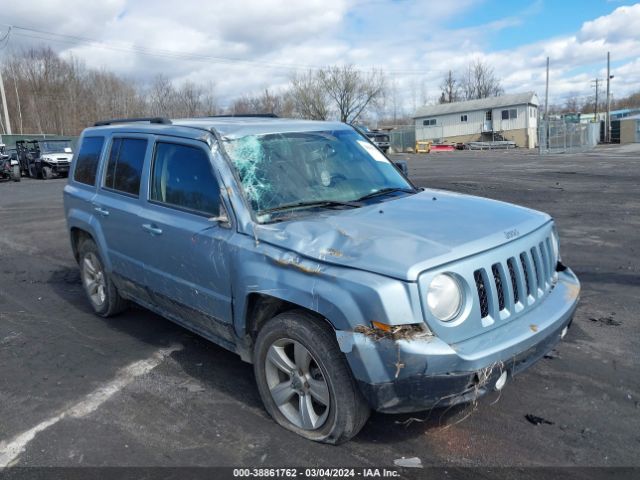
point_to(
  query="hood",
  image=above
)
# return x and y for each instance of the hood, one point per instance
(55, 157)
(403, 237)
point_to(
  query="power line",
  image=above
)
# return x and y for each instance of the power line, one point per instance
(35, 33)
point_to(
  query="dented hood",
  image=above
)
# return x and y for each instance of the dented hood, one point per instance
(403, 237)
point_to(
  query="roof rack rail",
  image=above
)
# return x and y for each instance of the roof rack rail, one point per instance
(245, 115)
(159, 120)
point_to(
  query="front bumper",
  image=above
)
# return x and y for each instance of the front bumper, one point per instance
(411, 375)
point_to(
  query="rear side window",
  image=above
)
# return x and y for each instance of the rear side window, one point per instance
(182, 177)
(124, 168)
(87, 161)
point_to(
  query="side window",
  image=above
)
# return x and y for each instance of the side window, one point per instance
(182, 178)
(87, 161)
(505, 114)
(463, 118)
(124, 168)
(513, 114)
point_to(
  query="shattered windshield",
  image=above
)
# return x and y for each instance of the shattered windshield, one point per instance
(54, 146)
(298, 169)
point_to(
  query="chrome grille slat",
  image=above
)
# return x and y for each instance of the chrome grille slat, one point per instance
(545, 263)
(552, 267)
(537, 269)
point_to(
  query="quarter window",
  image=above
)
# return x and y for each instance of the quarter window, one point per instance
(182, 177)
(87, 161)
(124, 168)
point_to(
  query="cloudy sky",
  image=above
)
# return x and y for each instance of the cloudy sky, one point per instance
(243, 46)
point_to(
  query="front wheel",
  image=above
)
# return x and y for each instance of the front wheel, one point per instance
(47, 173)
(15, 173)
(304, 380)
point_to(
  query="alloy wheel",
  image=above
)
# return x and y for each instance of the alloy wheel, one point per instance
(296, 384)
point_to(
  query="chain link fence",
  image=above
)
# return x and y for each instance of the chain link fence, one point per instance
(558, 136)
(402, 138)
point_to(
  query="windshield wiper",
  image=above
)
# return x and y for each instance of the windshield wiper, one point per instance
(384, 191)
(317, 203)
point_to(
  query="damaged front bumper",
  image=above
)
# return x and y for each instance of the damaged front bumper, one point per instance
(409, 375)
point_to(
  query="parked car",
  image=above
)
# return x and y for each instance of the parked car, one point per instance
(9, 168)
(44, 158)
(299, 246)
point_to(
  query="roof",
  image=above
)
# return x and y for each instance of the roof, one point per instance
(231, 127)
(481, 104)
(633, 117)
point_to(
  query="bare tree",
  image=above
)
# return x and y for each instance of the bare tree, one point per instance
(450, 89)
(162, 96)
(352, 91)
(309, 98)
(189, 99)
(480, 81)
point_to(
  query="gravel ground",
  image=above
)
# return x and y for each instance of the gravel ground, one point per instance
(189, 402)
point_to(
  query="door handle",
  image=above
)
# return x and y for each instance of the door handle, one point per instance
(102, 211)
(152, 229)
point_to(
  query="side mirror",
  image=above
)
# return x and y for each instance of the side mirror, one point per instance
(402, 166)
(223, 217)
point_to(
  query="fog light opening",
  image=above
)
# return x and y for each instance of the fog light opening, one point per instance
(564, 332)
(501, 382)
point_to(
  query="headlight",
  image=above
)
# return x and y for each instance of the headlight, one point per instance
(555, 246)
(444, 297)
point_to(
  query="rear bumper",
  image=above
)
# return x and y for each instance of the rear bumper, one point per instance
(413, 375)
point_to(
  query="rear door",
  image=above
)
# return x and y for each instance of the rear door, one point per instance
(117, 207)
(188, 269)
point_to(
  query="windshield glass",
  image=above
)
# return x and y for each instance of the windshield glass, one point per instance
(54, 146)
(278, 170)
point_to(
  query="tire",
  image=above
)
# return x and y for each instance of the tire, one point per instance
(99, 288)
(47, 173)
(15, 173)
(343, 410)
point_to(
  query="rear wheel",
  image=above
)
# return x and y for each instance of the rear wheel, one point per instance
(304, 380)
(101, 291)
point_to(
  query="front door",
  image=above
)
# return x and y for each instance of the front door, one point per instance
(187, 266)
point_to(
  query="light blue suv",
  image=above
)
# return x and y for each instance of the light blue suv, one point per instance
(301, 247)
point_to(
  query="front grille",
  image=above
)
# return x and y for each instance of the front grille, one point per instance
(519, 281)
(482, 294)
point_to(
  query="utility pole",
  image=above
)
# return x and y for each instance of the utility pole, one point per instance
(595, 108)
(4, 105)
(546, 108)
(608, 118)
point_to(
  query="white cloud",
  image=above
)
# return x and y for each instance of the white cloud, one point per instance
(415, 41)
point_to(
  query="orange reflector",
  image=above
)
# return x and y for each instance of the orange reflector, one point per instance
(381, 326)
